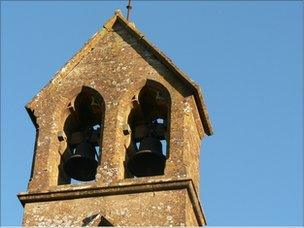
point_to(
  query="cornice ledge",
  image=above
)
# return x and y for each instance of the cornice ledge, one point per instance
(118, 189)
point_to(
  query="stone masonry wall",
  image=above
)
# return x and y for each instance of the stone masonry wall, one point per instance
(153, 208)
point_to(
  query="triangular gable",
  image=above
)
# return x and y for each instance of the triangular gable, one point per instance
(118, 17)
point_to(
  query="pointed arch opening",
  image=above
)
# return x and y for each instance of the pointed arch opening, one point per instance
(82, 133)
(149, 122)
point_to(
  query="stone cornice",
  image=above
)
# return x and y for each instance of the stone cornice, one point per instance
(118, 189)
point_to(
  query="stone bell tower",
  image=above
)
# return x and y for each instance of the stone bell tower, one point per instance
(118, 133)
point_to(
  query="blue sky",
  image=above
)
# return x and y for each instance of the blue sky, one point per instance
(246, 55)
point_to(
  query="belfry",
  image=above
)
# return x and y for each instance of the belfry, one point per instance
(118, 133)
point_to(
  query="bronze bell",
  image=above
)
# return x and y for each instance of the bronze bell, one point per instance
(148, 160)
(81, 165)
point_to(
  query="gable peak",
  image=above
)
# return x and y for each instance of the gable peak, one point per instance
(130, 26)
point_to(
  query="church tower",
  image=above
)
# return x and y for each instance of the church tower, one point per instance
(118, 133)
